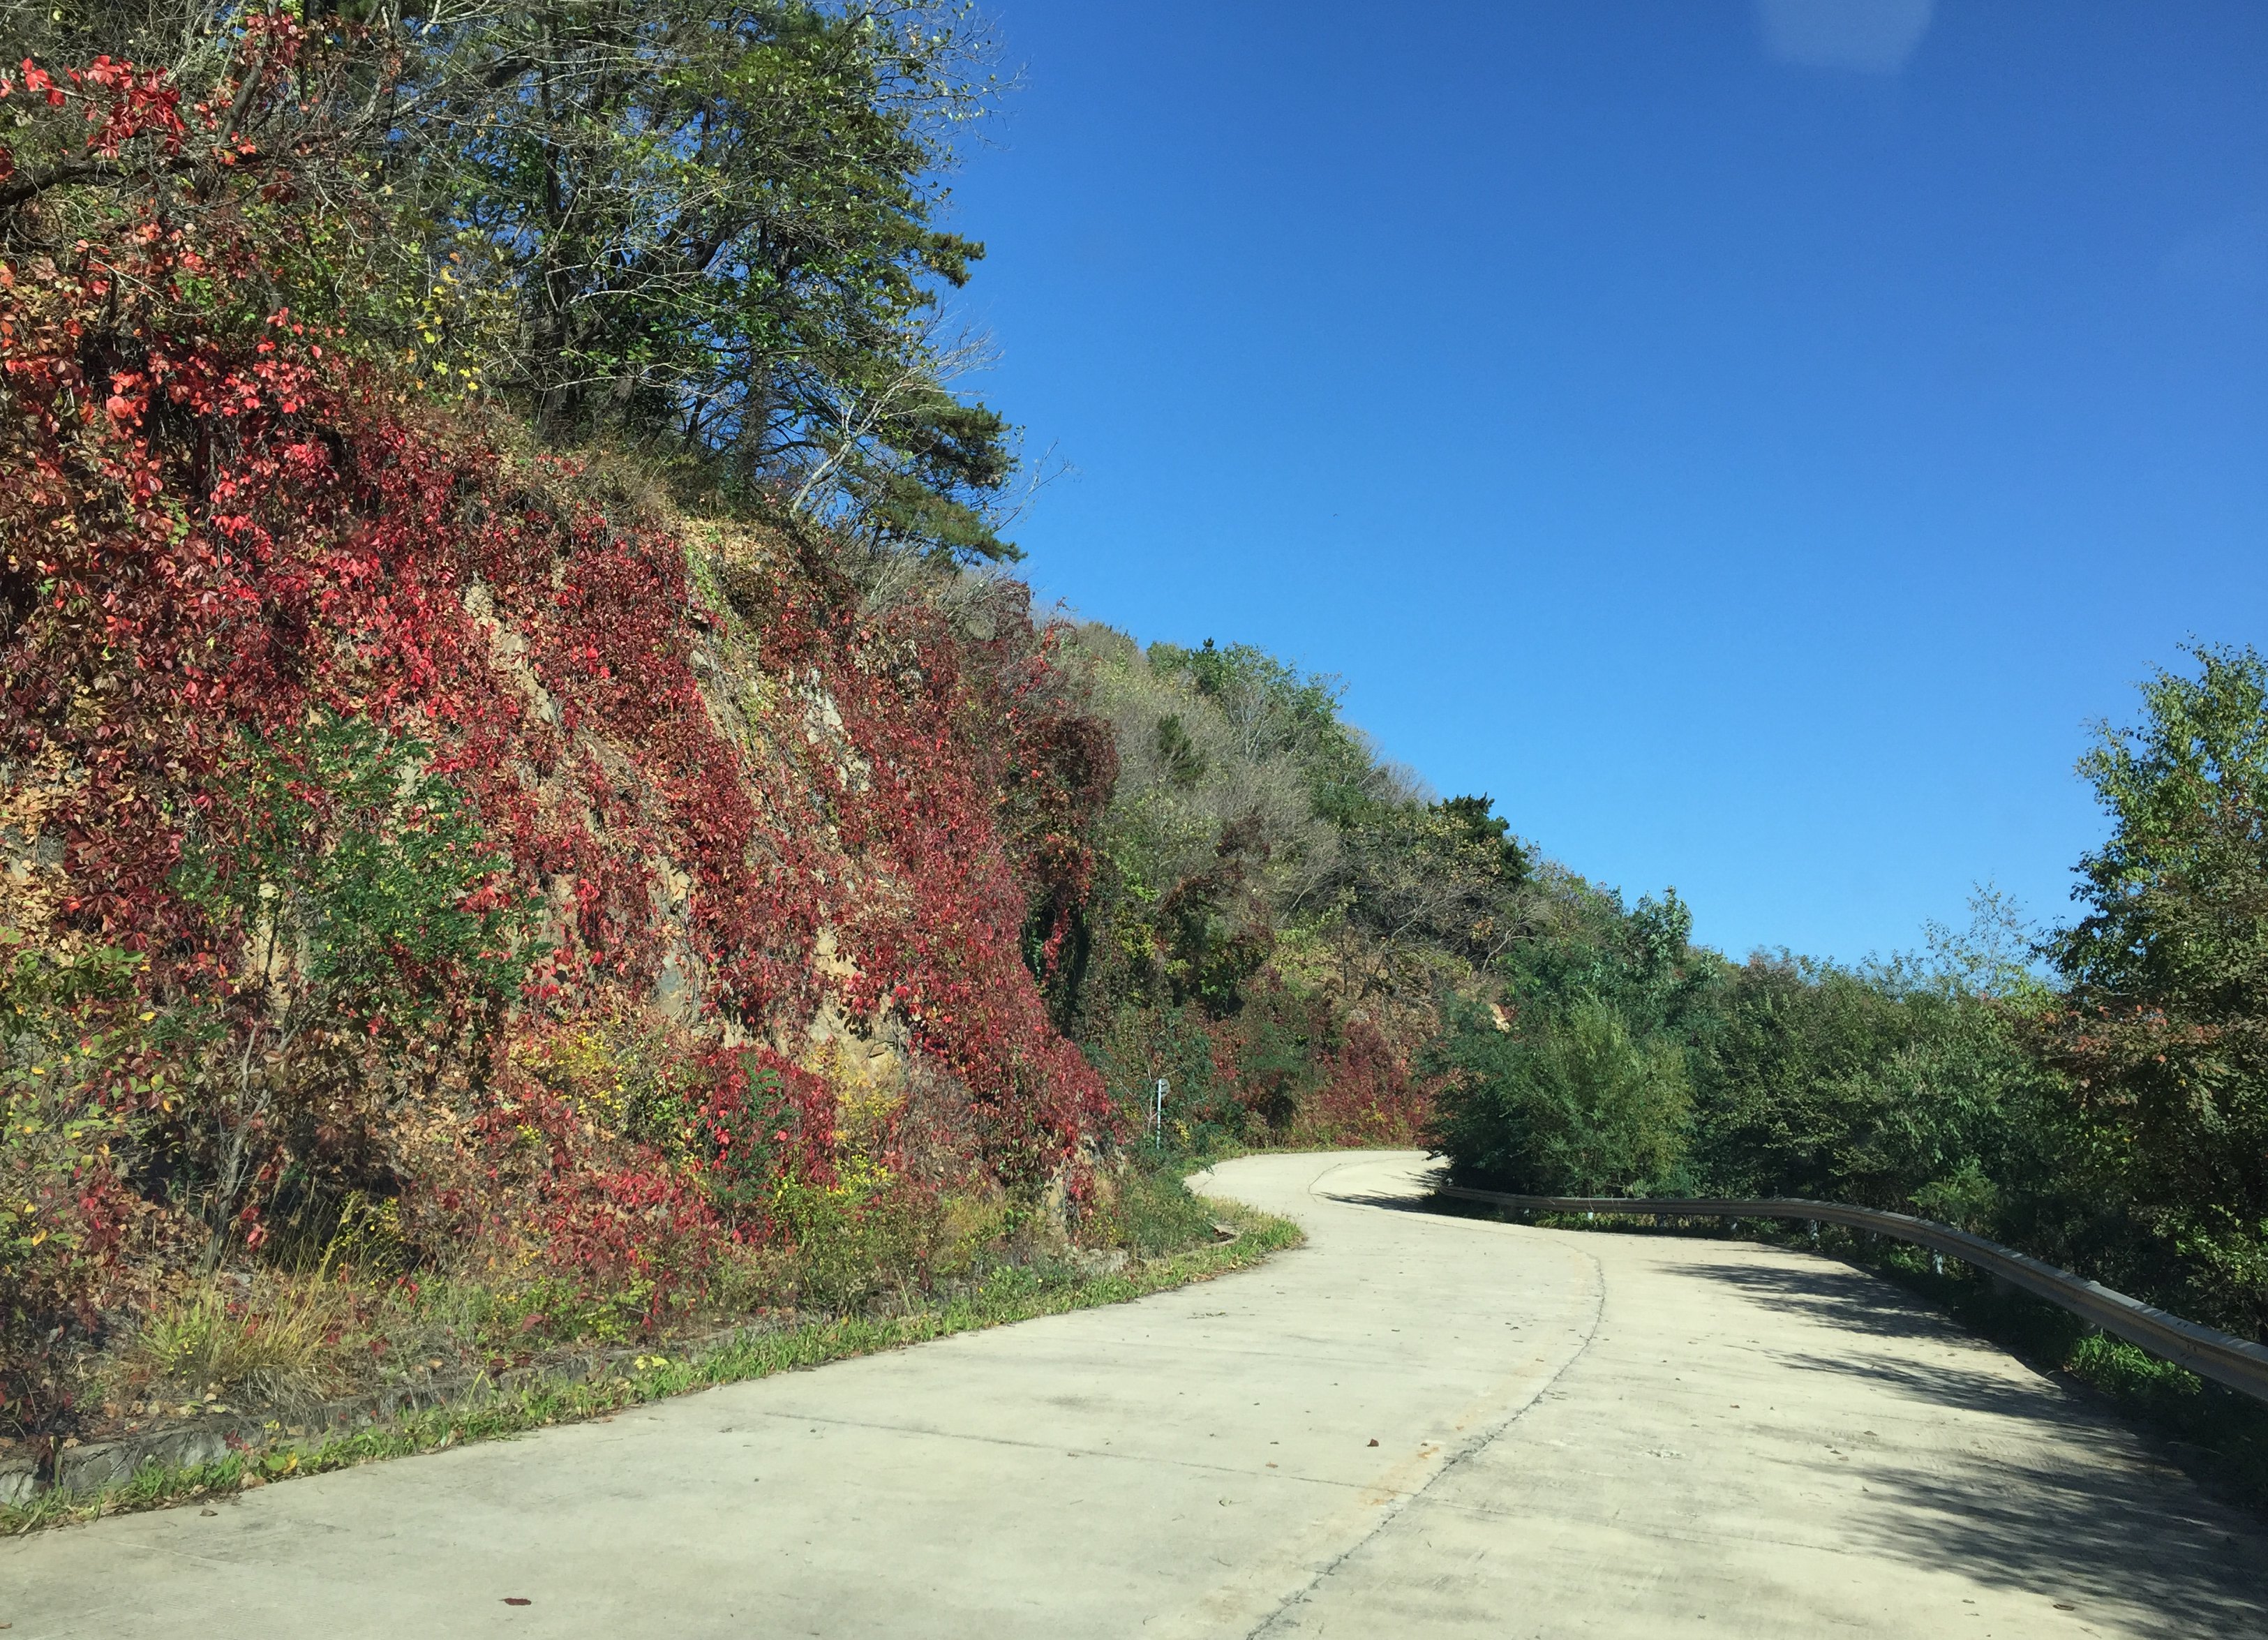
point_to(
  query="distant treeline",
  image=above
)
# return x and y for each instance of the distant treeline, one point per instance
(1307, 946)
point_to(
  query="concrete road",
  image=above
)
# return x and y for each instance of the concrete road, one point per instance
(1411, 1426)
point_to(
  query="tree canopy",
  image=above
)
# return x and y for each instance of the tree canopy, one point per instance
(708, 232)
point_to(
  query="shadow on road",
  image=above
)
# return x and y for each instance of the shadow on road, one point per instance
(2022, 1497)
(1392, 1203)
(1834, 1294)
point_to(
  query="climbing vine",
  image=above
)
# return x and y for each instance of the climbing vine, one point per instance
(378, 750)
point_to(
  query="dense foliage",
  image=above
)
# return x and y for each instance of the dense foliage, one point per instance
(2161, 1032)
(434, 854)
(1279, 917)
(2095, 1095)
(704, 230)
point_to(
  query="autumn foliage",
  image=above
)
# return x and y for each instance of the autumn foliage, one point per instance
(581, 774)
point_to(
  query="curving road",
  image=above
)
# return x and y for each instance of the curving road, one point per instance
(1411, 1426)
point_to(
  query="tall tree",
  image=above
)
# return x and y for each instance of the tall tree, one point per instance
(2165, 1034)
(718, 218)
(703, 229)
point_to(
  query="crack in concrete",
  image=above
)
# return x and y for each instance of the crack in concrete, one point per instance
(1279, 1620)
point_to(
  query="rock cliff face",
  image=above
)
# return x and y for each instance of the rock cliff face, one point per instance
(391, 819)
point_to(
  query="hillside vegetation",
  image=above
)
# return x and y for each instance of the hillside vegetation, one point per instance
(2093, 1094)
(535, 814)
(520, 829)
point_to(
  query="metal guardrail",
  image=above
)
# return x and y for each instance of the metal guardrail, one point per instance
(2225, 1359)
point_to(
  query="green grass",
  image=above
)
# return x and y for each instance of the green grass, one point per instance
(1007, 1294)
(1154, 1213)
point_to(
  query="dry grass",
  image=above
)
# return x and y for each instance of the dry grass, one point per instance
(274, 1344)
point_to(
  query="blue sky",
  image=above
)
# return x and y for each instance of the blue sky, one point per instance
(1750, 439)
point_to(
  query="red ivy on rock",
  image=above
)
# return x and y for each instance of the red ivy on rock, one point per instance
(212, 527)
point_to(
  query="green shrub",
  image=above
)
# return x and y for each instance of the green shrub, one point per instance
(377, 924)
(1571, 1103)
(1151, 1213)
(70, 1070)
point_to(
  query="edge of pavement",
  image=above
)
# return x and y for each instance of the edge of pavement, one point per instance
(589, 1388)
